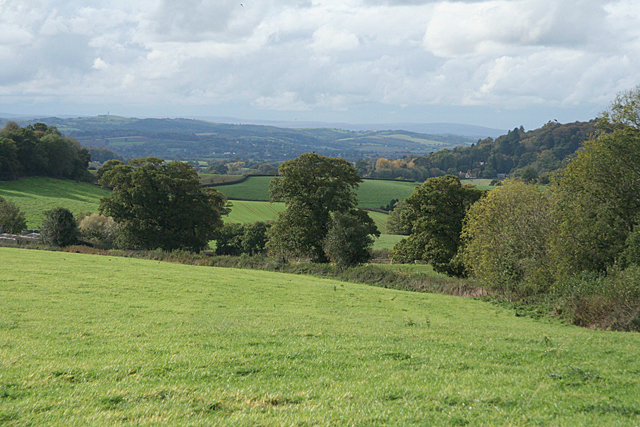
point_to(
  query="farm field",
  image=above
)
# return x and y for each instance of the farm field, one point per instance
(96, 340)
(244, 211)
(253, 188)
(371, 193)
(374, 193)
(211, 178)
(38, 194)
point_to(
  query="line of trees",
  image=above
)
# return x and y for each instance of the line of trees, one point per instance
(575, 242)
(157, 204)
(41, 150)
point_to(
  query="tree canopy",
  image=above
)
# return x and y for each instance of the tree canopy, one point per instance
(313, 187)
(436, 211)
(161, 205)
(41, 150)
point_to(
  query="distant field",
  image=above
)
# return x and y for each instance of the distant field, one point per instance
(374, 193)
(212, 178)
(102, 341)
(481, 183)
(253, 188)
(243, 212)
(38, 194)
(371, 193)
(387, 241)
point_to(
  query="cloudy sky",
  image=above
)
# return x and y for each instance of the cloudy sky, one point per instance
(498, 63)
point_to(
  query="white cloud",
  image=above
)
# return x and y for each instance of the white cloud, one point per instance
(327, 39)
(320, 56)
(99, 64)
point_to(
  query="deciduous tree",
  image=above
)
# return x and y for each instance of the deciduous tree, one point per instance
(506, 237)
(436, 210)
(59, 228)
(313, 187)
(161, 205)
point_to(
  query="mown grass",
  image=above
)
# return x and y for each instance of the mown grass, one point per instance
(376, 193)
(38, 194)
(243, 211)
(89, 340)
(387, 241)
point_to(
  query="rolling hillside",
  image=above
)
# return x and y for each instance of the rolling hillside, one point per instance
(38, 194)
(97, 340)
(188, 139)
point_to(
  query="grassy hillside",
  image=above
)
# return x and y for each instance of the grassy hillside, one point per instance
(253, 188)
(38, 194)
(89, 340)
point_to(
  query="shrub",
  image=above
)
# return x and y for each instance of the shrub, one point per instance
(506, 239)
(348, 242)
(100, 228)
(59, 228)
(11, 218)
(607, 301)
(237, 239)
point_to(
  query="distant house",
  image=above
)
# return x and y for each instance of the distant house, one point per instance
(470, 175)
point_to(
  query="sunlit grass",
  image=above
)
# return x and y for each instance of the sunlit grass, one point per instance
(90, 340)
(38, 194)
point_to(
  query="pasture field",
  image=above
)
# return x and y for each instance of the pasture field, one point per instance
(386, 241)
(374, 193)
(481, 183)
(38, 194)
(95, 340)
(243, 211)
(371, 193)
(212, 178)
(253, 188)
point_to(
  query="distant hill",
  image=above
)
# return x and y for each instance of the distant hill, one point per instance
(539, 151)
(184, 139)
(476, 132)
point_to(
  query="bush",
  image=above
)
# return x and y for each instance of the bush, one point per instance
(606, 301)
(237, 239)
(506, 239)
(348, 242)
(59, 228)
(12, 219)
(96, 227)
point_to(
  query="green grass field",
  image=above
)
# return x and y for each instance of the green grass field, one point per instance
(96, 341)
(371, 193)
(243, 212)
(374, 193)
(38, 194)
(253, 188)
